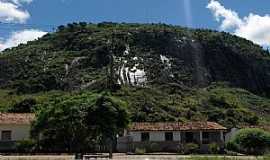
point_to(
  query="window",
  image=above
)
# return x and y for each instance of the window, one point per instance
(6, 136)
(145, 137)
(169, 136)
(205, 137)
(189, 137)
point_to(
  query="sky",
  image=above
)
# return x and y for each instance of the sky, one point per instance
(26, 20)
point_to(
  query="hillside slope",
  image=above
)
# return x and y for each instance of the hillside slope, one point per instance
(154, 61)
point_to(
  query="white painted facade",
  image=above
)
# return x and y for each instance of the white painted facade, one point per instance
(18, 131)
(136, 136)
(154, 136)
(159, 136)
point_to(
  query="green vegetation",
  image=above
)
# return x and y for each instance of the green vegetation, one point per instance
(191, 148)
(214, 148)
(250, 141)
(10, 100)
(182, 74)
(25, 146)
(225, 158)
(229, 106)
(140, 151)
(77, 55)
(25, 106)
(76, 123)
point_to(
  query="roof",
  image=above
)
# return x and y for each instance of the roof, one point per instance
(175, 126)
(16, 118)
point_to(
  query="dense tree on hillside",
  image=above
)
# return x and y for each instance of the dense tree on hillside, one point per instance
(24, 106)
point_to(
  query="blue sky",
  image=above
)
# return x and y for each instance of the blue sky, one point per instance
(43, 15)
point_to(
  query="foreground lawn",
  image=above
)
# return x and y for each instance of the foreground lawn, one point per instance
(226, 158)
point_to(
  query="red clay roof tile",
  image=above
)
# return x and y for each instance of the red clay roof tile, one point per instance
(175, 126)
(16, 118)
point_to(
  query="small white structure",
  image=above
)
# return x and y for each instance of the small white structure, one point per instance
(14, 127)
(230, 134)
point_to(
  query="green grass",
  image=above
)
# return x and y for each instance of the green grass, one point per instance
(227, 158)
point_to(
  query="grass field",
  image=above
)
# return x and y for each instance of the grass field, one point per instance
(226, 158)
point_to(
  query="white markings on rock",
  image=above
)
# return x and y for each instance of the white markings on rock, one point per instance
(127, 51)
(165, 60)
(131, 76)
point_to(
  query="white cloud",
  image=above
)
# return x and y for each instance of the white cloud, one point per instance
(230, 18)
(253, 27)
(18, 2)
(11, 12)
(21, 37)
(22, 1)
(256, 28)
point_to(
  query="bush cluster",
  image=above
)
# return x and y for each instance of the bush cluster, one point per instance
(250, 141)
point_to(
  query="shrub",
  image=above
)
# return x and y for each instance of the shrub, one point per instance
(231, 146)
(213, 148)
(140, 151)
(25, 146)
(190, 148)
(250, 141)
(154, 147)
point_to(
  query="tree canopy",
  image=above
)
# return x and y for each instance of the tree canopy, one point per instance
(79, 123)
(251, 141)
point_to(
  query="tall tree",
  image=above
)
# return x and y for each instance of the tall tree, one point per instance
(106, 118)
(76, 123)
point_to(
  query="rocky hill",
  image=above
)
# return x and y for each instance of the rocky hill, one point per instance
(165, 73)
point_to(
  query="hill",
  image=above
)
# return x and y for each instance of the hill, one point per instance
(163, 72)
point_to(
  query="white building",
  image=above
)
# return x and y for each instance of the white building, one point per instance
(170, 136)
(14, 127)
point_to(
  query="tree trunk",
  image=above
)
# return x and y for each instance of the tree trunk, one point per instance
(110, 149)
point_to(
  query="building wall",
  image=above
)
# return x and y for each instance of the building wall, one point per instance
(18, 132)
(136, 136)
(177, 136)
(157, 136)
(157, 141)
